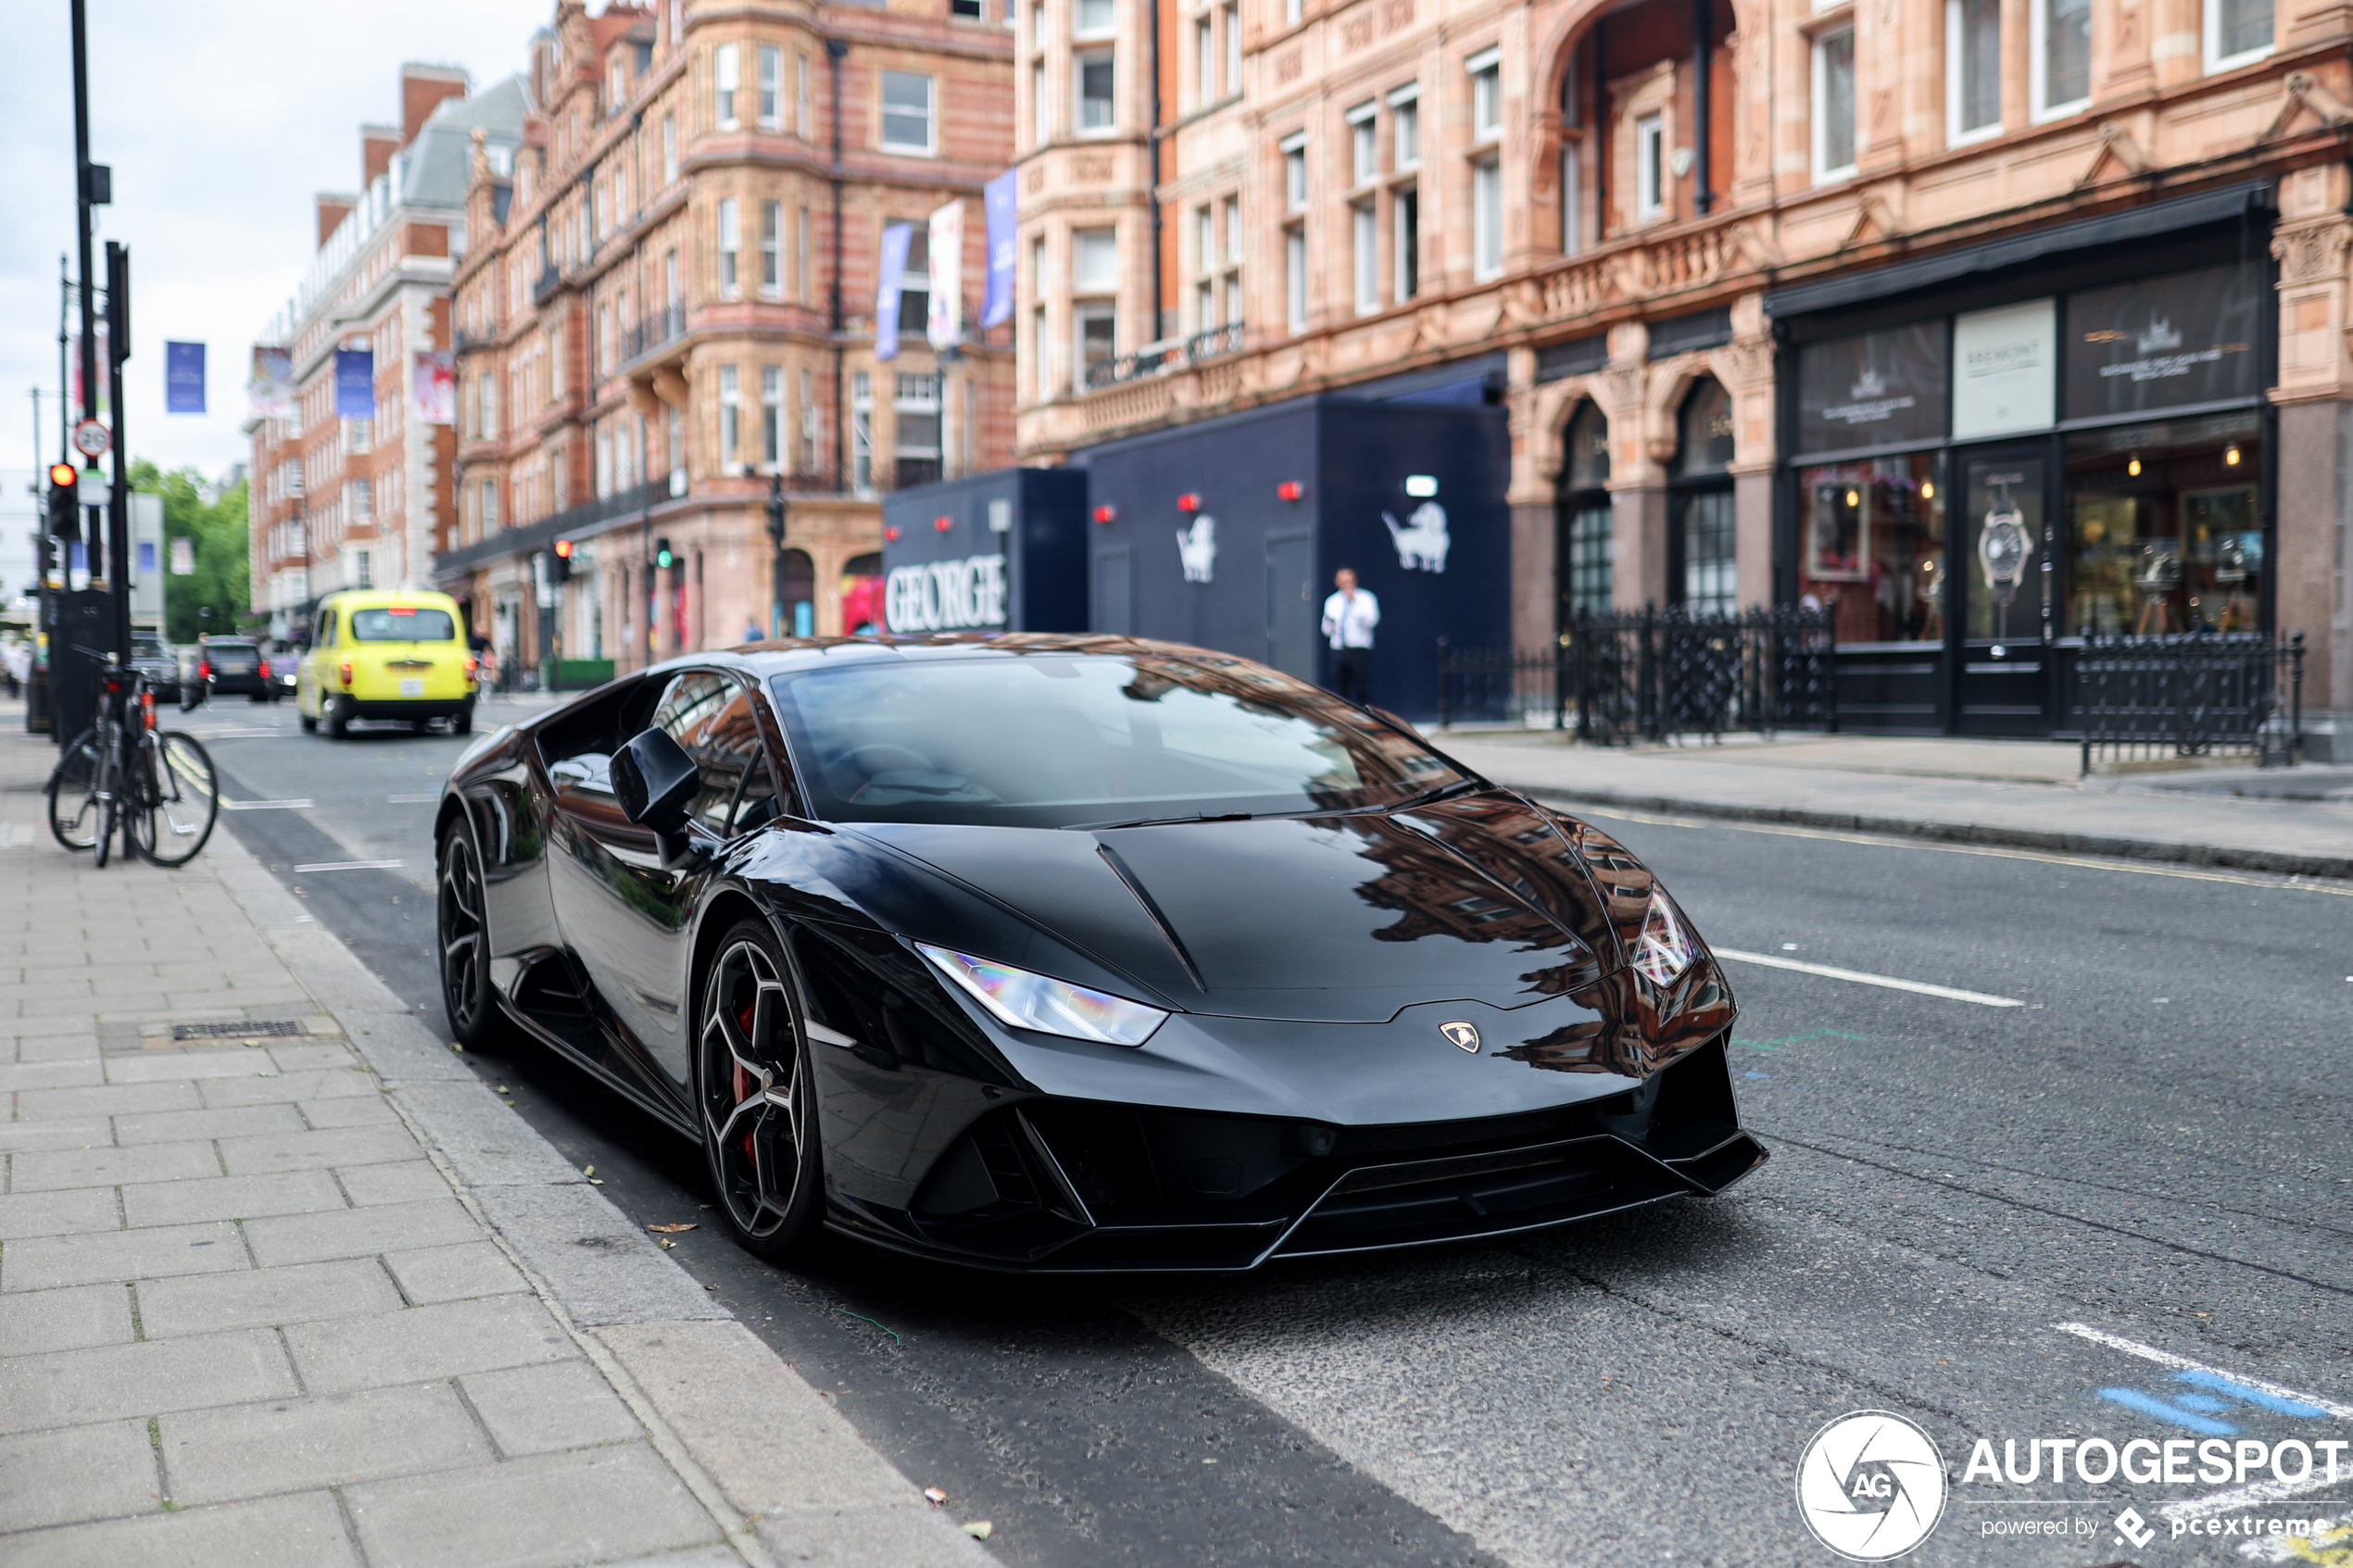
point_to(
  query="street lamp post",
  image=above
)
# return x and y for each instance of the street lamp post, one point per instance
(776, 553)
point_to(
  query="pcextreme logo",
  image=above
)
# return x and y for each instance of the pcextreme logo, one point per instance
(1870, 1485)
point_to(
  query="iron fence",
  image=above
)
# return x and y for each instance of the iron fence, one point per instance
(1654, 673)
(2198, 693)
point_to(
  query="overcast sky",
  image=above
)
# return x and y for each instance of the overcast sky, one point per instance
(221, 122)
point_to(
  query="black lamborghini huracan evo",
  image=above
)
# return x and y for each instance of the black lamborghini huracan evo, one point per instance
(1063, 953)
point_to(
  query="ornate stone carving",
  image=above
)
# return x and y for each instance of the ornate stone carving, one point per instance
(1288, 65)
(1357, 31)
(2312, 251)
(1396, 14)
(1093, 169)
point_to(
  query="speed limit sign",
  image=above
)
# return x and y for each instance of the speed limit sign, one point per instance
(91, 439)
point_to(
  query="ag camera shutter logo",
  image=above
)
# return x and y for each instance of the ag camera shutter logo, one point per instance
(1870, 1485)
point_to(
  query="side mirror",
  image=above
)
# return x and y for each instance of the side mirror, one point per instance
(654, 780)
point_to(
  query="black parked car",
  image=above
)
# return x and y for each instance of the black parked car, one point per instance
(153, 658)
(231, 665)
(1081, 953)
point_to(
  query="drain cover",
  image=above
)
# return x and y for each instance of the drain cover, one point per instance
(254, 1029)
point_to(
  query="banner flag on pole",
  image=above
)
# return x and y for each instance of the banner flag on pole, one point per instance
(270, 388)
(355, 384)
(183, 378)
(997, 301)
(436, 378)
(894, 273)
(944, 325)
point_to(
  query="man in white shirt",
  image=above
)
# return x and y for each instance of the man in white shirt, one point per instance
(1350, 616)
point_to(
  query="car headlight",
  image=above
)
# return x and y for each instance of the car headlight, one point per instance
(1664, 950)
(1023, 1000)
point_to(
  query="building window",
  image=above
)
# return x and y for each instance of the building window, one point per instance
(2236, 32)
(1041, 375)
(1364, 224)
(1834, 105)
(771, 415)
(1486, 69)
(364, 569)
(363, 498)
(731, 414)
(726, 79)
(963, 7)
(915, 449)
(1204, 60)
(803, 253)
(915, 283)
(668, 150)
(1973, 68)
(1038, 104)
(1650, 169)
(1292, 11)
(1702, 553)
(1232, 20)
(1095, 337)
(1405, 127)
(1295, 277)
(800, 106)
(808, 422)
(772, 250)
(1405, 216)
(1094, 256)
(489, 506)
(1486, 216)
(771, 87)
(1095, 18)
(1096, 72)
(906, 112)
(1587, 569)
(730, 242)
(2062, 55)
(1363, 156)
(1294, 149)
(862, 433)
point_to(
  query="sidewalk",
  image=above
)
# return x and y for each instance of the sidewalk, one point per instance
(299, 1289)
(2023, 794)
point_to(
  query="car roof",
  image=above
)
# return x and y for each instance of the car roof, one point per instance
(374, 598)
(779, 656)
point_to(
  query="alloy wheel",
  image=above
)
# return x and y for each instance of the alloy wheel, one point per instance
(460, 928)
(755, 1113)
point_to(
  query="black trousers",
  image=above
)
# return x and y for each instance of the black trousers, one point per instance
(1353, 673)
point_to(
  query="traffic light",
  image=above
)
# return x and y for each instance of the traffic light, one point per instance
(560, 562)
(64, 501)
(662, 557)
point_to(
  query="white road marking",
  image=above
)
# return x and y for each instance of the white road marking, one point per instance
(351, 866)
(268, 805)
(2255, 1494)
(244, 733)
(1831, 972)
(1888, 841)
(426, 800)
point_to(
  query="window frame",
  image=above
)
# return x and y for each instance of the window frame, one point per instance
(769, 93)
(1818, 93)
(1956, 78)
(727, 83)
(1107, 56)
(1364, 226)
(930, 145)
(1364, 145)
(1293, 149)
(1486, 216)
(729, 248)
(772, 249)
(2210, 40)
(2038, 34)
(1649, 166)
(1405, 127)
(1486, 71)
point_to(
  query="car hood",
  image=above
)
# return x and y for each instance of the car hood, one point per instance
(1341, 918)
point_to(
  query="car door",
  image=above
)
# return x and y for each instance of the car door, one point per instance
(625, 913)
(310, 686)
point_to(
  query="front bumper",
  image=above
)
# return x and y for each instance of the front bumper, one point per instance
(1062, 1185)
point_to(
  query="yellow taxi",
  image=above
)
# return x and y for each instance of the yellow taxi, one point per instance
(387, 653)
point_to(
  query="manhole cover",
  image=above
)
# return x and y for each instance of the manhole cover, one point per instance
(254, 1029)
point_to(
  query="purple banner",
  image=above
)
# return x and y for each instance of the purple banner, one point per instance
(355, 384)
(183, 378)
(997, 301)
(893, 273)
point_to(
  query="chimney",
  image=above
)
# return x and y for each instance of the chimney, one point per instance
(377, 143)
(333, 208)
(422, 88)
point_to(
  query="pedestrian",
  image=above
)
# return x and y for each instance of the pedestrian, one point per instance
(1350, 616)
(752, 631)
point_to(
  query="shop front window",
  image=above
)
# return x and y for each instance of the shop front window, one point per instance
(2003, 533)
(1588, 584)
(1871, 542)
(1702, 538)
(2163, 527)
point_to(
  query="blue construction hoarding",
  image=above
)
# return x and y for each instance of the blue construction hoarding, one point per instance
(995, 552)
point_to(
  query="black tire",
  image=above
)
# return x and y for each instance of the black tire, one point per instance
(420, 726)
(309, 724)
(179, 799)
(73, 804)
(462, 721)
(339, 717)
(752, 1097)
(260, 696)
(462, 935)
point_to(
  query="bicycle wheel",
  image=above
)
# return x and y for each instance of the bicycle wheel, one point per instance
(179, 799)
(109, 784)
(73, 794)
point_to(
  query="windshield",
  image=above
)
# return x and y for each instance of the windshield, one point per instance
(150, 647)
(1070, 740)
(402, 626)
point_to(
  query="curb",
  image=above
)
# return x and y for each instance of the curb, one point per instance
(2217, 857)
(826, 1496)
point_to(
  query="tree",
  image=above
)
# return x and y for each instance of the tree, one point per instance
(223, 579)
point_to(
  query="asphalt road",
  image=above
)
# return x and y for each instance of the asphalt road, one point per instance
(2151, 1145)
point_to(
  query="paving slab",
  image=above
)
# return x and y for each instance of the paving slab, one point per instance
(420, 1343)
(55, 1213)
(229, 1122)
(85, 1133)
(72, 1387)
(454, 1274)
(350, 1112)
(305, 1530)
(539, 1513)
(84, 1473)
(370, 1185)
(247, 1450)
(604, 1268)
(309, 1150)
(48, 1170)
(65, 1318)
(161, 1066)
(264, 1297)
(360, 1233)
(538, 1410)
(38, 1263)
(231, 1197)
(330, 1083)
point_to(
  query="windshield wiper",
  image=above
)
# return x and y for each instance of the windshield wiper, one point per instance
(1426, 797)
(1167, 822)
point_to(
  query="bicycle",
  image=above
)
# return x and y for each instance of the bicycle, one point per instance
(166, 783)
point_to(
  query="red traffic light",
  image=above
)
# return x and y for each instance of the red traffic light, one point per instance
(64, 475)
(564, 549)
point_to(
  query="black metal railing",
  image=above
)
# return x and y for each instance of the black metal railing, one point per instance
(1177, 354)
(2198, 693)
(1653, 674)
(655, 329)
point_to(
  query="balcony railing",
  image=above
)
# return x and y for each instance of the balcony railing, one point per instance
(658, 328)
(1168, 354)
(545, 286)
(583, 518)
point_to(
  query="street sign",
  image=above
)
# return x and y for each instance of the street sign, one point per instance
(91, 438)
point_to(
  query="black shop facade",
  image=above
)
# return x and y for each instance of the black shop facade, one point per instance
(1990, 454)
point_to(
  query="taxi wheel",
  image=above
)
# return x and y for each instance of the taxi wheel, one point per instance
(309, 726)
(462, 721)
(339, 717)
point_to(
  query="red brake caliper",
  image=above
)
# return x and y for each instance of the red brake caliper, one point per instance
(743, 1077)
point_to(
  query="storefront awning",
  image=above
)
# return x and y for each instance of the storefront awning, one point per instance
(1978, 260)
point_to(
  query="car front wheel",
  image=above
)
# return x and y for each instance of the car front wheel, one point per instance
(464, 937)
(758, 1120)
